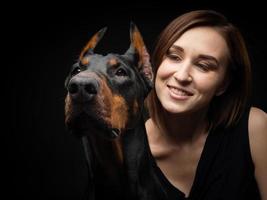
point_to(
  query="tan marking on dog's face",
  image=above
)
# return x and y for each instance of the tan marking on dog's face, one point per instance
(112, 62)
(119, 113)
(85, 60)
(112, 108)
(135, 107)
(115, 109)
(104, 101)
(68, 108)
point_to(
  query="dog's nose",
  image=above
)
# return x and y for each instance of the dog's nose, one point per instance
(83, 89)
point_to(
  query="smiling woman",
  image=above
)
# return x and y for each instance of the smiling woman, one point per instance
(198, 69)
(202, 132)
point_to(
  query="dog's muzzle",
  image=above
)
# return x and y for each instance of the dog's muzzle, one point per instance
(82, 88)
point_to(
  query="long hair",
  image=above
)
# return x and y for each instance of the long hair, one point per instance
(224, 110)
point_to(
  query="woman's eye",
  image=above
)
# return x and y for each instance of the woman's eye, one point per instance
(75, 71)
(203, 67)
(173, 56)
(121, 72)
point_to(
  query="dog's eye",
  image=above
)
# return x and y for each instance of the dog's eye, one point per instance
(121, 72)
(75, 71)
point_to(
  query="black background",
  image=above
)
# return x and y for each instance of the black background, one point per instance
(47, 161)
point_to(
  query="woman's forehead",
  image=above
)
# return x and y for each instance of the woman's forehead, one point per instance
(203, 40)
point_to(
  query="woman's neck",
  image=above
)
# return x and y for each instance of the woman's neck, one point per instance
(184, 128)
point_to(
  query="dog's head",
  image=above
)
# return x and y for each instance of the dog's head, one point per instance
(106, 93)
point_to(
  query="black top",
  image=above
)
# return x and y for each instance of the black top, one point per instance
(225, 169)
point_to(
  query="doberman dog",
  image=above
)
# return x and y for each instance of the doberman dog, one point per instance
(104, 106)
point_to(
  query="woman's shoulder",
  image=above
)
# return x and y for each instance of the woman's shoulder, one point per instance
(257, 123)
(258, 145)
(257, 128)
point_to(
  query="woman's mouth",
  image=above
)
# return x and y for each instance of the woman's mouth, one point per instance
(179, 93)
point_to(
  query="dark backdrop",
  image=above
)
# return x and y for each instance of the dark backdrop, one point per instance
(49, 161)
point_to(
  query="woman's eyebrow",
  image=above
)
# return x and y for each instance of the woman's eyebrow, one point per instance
(201, 56)
(178, 48)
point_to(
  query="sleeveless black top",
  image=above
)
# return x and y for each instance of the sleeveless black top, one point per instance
(225, 170)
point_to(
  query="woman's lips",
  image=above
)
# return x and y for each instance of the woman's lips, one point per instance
(179, 93)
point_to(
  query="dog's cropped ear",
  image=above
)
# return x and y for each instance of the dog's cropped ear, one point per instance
(89, 47)
(138, 52)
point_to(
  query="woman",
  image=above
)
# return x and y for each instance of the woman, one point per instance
(206, 140)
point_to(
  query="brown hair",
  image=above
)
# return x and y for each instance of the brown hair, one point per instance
(225, 110)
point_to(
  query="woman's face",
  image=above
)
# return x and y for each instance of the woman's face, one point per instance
(192, 71)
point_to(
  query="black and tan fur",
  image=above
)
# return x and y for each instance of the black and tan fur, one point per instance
(104, 106)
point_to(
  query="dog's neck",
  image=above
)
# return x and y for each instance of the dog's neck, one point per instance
(108, 151)
(108, 154)
(105, 163)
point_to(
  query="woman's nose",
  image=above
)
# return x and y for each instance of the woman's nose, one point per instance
(183, 73)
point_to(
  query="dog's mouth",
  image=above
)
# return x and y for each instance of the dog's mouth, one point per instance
(84, 124)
